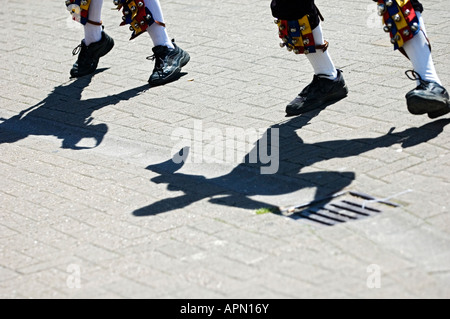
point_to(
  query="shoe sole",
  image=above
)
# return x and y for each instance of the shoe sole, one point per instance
(343, 93)
(183, 62)
(418, 106)
(442, 112)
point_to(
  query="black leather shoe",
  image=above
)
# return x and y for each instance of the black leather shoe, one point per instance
(428, 97)
(317, 94)
(90, 55)
(168, 64)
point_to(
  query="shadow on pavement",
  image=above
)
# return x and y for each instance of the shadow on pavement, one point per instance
(236, 188)
(65, 115)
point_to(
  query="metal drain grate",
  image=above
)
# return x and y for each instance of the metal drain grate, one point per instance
(338, 208)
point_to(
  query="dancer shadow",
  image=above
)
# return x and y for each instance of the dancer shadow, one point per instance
(245, 180)
(65, 115)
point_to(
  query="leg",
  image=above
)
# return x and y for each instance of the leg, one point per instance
(158, 31)
(407, 30)
(169, 58)
(146, 15)
(301, 32)
(429, 96)
(93, 28)
(96, 43)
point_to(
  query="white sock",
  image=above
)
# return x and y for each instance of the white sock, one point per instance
(419, 53)
(157, 32)
(321, 61)
(93, 33)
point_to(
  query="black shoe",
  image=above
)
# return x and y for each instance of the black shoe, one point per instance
(442, 112)
(428, 97)
(319, 92)
(90, 55)
(168, 64)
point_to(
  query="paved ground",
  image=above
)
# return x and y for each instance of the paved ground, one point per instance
(93, 207)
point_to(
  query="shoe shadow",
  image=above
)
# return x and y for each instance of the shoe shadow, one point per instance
(65, 115)
(236, 188)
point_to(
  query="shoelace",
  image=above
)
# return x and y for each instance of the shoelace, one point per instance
(414, 76)
(76, 50)
(159, 61)
(313, 86)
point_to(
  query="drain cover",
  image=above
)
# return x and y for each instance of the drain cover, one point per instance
(338, 208)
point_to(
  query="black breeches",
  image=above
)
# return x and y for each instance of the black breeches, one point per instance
(417, 5)
(297, 9)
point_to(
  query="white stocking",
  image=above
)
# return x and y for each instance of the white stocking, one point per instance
(157, 32)
(419, 53)
(93, 33)
(321, 61)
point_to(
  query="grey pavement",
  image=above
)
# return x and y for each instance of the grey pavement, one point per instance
(93, 206)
